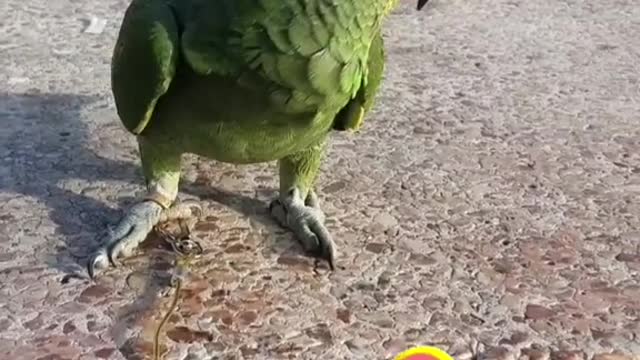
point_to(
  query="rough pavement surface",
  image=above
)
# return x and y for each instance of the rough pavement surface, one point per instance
(490, 206)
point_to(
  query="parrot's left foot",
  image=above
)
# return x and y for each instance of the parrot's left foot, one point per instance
(306, 220)
(134, 228)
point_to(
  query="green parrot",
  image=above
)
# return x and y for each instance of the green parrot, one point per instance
(241, 81)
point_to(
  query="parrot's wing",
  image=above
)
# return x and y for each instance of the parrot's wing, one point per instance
(352, 115)
(144, 61)
(305, 54)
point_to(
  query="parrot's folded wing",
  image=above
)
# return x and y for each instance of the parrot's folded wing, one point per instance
(352, 115)
(144, 61)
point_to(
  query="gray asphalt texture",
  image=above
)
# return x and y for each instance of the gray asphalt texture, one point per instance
(490, 206)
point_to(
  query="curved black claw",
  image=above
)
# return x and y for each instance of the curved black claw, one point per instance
(99, 260)
(307, 223)
(324, 246)
(127, 235)
(329, 257)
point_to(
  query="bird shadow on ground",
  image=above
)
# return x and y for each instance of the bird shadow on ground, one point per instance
(46, 143)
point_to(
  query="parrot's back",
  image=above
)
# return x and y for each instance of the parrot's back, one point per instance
(306, 53)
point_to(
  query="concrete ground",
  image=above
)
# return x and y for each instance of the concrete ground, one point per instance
(490, 206)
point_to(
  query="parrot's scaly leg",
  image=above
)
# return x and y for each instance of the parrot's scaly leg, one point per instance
(162, 174)
(297, 208)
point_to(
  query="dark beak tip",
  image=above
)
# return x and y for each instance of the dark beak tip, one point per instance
(421, 4)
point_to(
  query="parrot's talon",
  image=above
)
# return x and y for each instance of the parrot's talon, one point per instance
(330, 260)
(134, 228)
(99, 260)
(306, 220)
(112, 260)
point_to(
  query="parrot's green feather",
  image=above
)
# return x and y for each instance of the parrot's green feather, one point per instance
(301, 35)
(324, 72)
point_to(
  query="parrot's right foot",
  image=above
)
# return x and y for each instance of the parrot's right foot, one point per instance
(306, 220)
(134, 228)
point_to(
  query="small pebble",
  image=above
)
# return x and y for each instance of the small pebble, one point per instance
(96, 26)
